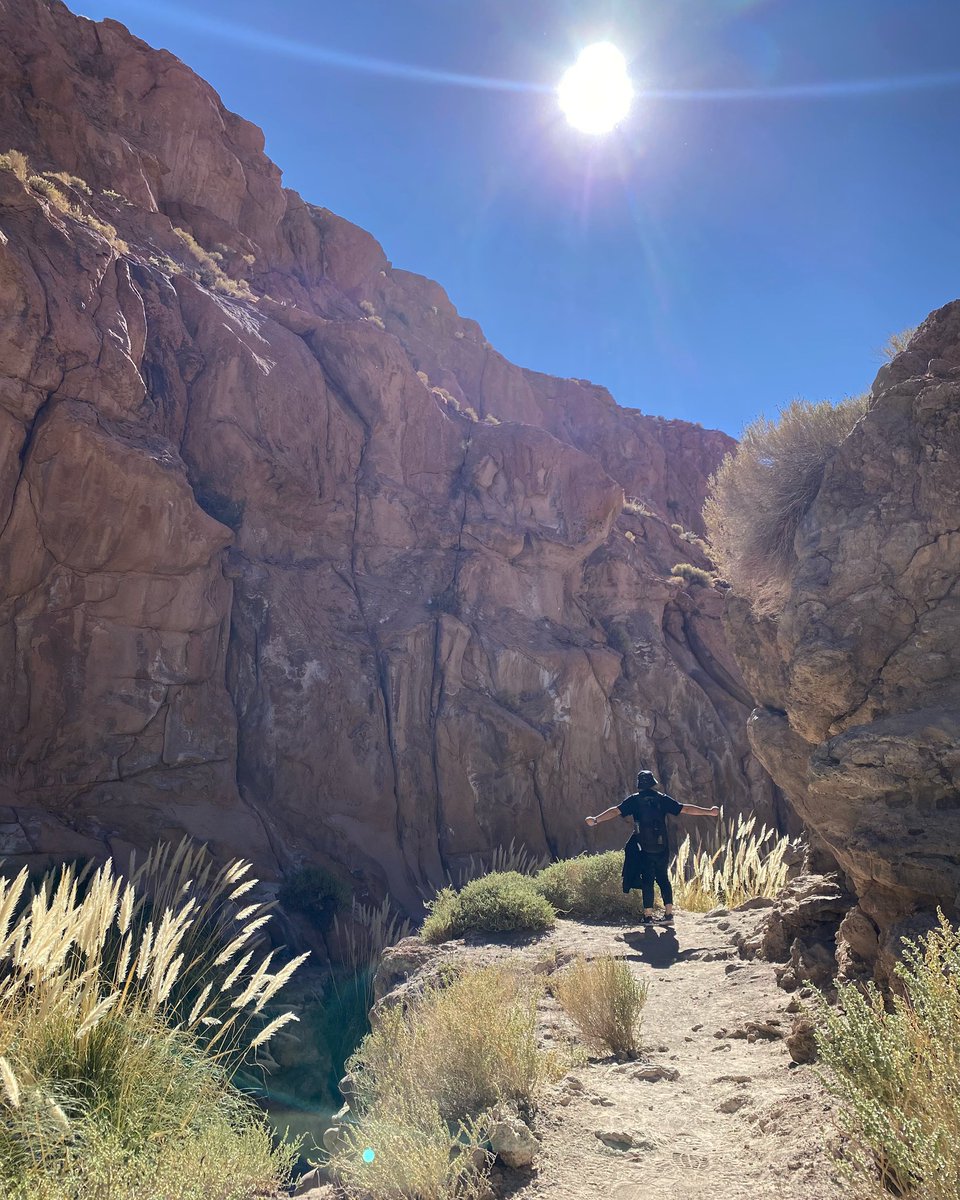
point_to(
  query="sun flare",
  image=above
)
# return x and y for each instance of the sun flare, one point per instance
(595, 94)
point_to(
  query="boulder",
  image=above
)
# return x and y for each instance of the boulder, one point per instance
(857, 669)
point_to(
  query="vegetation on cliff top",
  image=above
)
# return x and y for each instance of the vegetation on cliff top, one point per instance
(763, 490)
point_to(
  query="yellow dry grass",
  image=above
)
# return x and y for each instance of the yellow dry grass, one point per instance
(605, 1001)
(747, 863)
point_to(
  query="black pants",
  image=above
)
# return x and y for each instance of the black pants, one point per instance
(655, 867)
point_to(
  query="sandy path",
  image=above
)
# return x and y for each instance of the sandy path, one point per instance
(736, 1120)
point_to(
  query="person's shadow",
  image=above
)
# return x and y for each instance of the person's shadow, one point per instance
(657, 946)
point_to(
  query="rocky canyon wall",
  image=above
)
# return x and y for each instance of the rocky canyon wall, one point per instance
(858, 674)
(291, 559)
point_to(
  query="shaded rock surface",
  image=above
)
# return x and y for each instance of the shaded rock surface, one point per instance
(291, 559)
(858, 676)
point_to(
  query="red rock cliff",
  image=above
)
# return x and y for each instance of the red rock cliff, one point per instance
(291, 559)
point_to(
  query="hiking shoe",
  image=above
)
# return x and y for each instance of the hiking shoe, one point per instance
(666, 919)
(645, 920)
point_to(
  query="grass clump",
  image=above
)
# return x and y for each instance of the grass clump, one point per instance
(762, 491)
(692, 574)
(416, 1157)
(632, 504)
(208, 270)
(502, 902)
(605, 1001)
(125, 1007)
(463, 1047)
(49, 190)
(15, 161)
(589, 888)
(71, 181)
(427, 1075)
(896, 1072)
(740, 863)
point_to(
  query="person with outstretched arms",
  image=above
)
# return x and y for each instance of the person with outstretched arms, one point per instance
(646, 857)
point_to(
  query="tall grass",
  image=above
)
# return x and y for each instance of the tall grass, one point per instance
(125, 1006)
(605, 1001)
(746, 862)
(761, 492)
(426, 1075)
(896, 1072)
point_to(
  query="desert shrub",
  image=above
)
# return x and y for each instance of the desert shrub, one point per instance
(125, 1007)
(896, 343)
(589, 888)
(71, 181)
(315, 892)
(412, 1156)
(15, 161)
(605, 1002)
(896, 1073)
(738, 863)
(633, 504)
(692, 574)
(490, 419)
(463, 1047)
(762, 491)
(209, 272)
(427, 1075)
(49, 190)
(502, 902)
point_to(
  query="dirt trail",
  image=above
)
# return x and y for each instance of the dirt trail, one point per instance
(729, 1118)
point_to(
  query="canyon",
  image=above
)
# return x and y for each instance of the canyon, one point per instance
(292, 561)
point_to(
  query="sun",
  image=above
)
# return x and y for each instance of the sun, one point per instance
(596, 93)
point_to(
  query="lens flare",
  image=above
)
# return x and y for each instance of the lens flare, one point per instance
(368, 1155)
(595, 94)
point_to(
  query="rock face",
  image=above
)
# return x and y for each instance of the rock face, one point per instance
(291, 559)
(858, 676)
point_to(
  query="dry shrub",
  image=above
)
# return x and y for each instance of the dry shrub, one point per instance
(692, 574)
(15, 161)
(896, 1072)
(762, 491)
(605, 1001)
(746, 863)
(209, 272)
(49, 190)
(125, 1005)
(426, 1075)
(412, 1156)
(70, 181)
(896, 343)
(589, 888)
(632, 504)
(502, 902)
(464, 1046)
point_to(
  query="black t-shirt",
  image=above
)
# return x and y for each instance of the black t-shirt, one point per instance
(649, 811)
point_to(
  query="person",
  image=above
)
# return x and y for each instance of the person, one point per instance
(647, 854)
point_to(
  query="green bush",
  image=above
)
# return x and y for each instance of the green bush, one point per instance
(502, 902)
(896, 1072)
(692, 574)
(589, 888)
(315, 892)
(762, 492)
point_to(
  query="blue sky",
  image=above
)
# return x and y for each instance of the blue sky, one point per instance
(714, 258)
